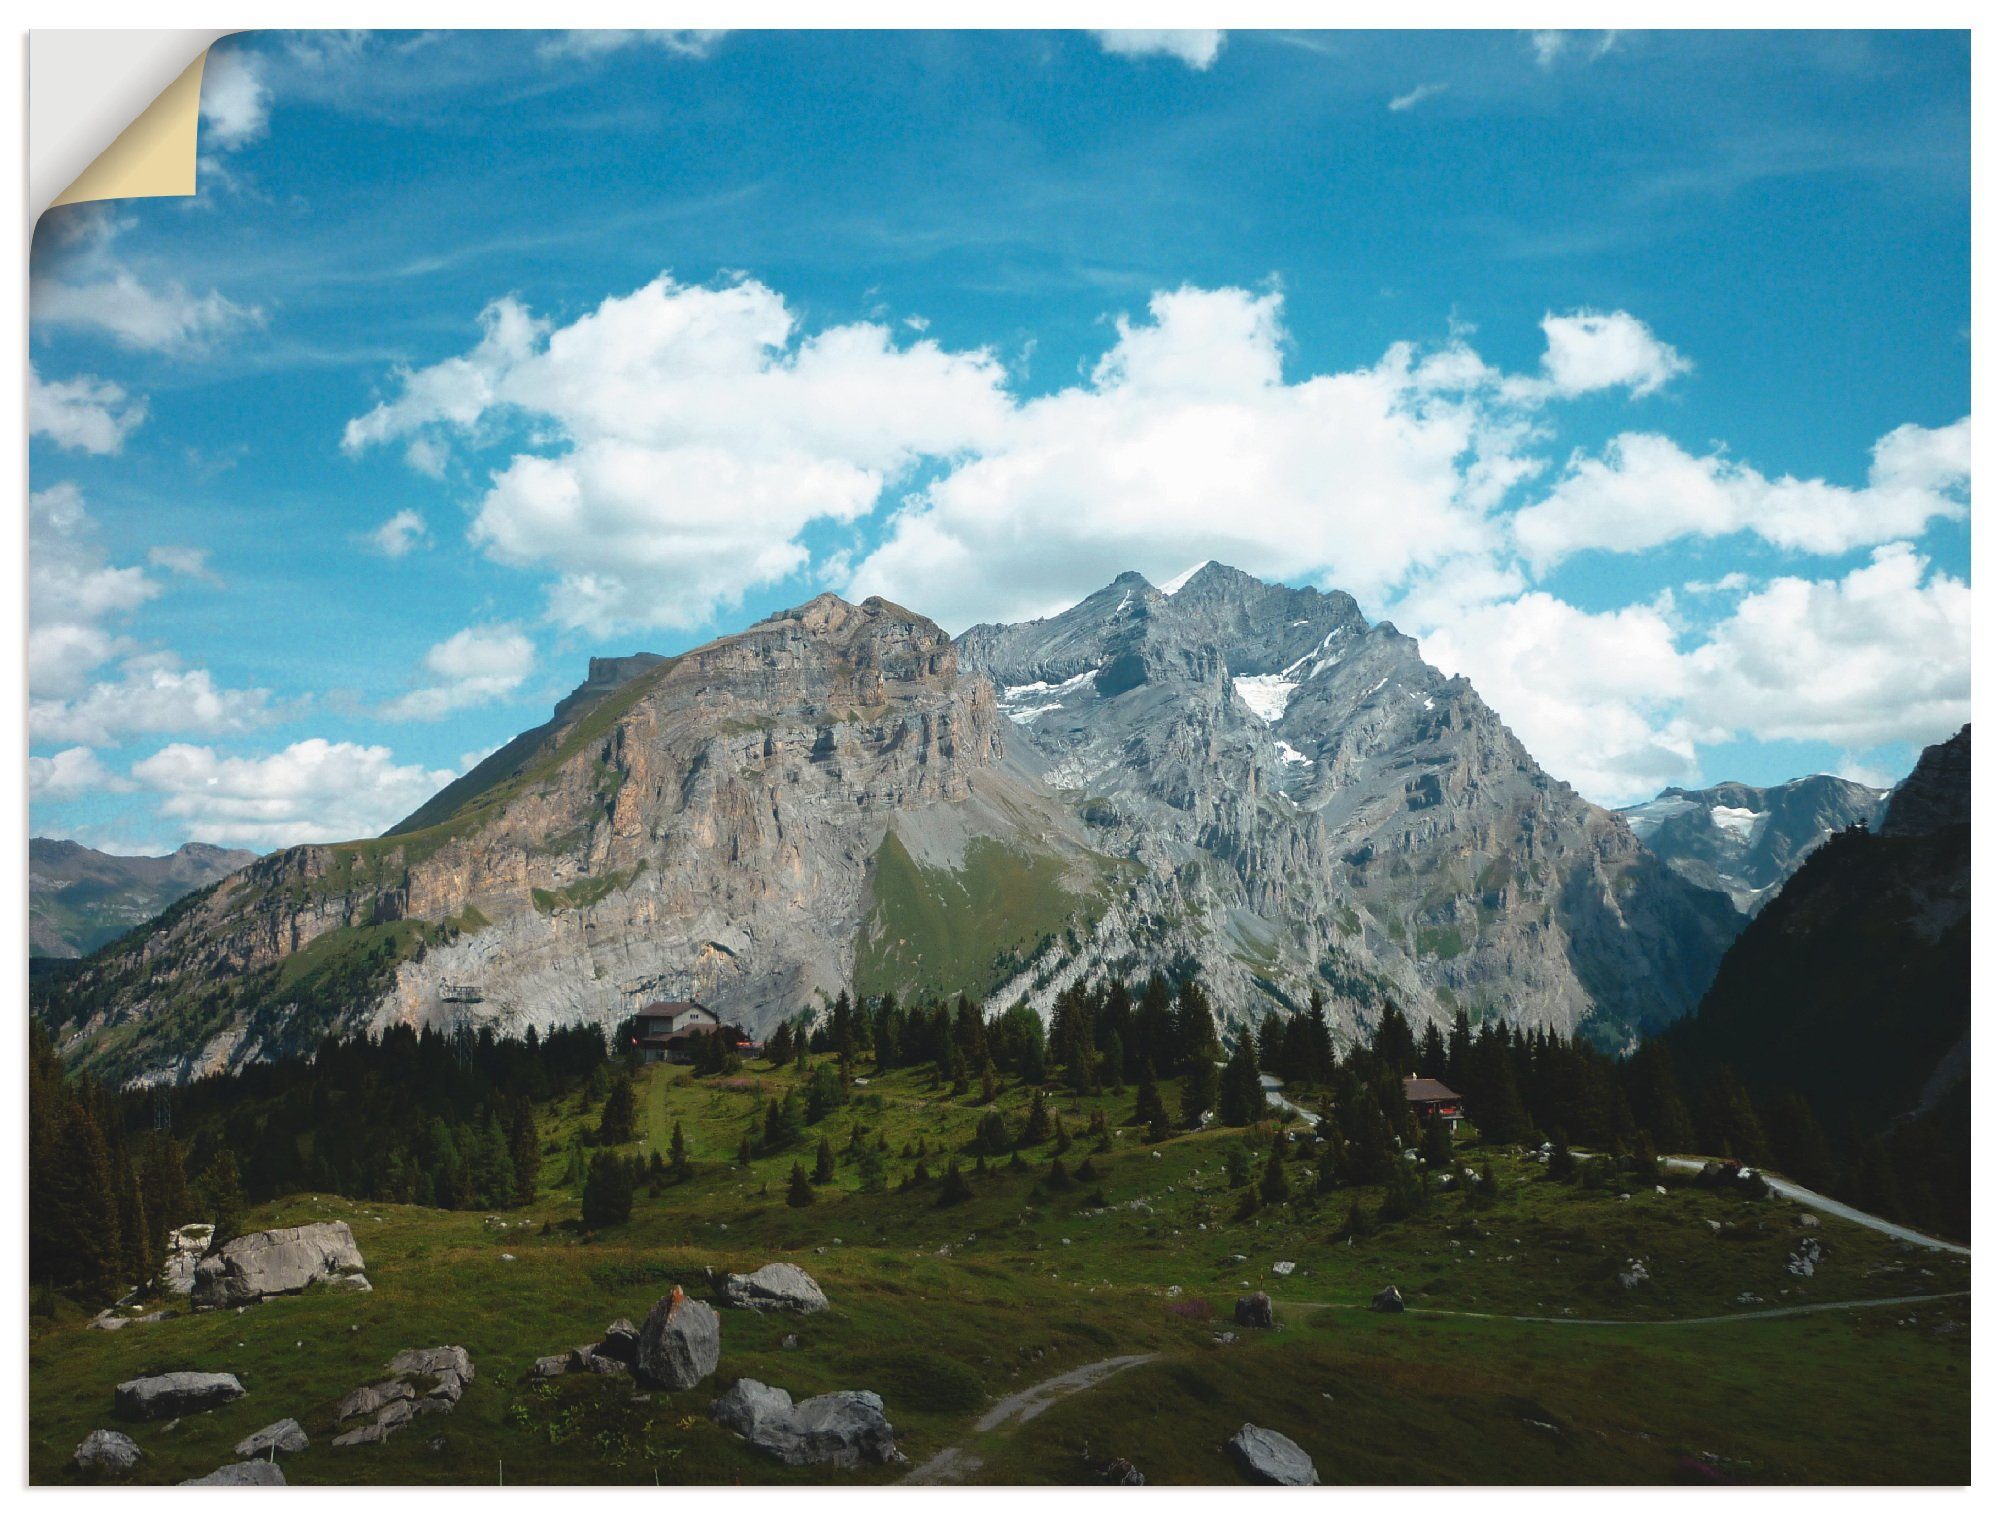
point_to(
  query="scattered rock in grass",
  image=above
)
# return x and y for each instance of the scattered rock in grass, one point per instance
(280, 1436)
(1121, 1472)
(775, 1286)
(1283, 1269)
(283, 1261)
(1809, 1220)
(164, 1395)
(106, 1454)
(788, 1342)
(1388, 1302)
(1254, 1310)
(242, 1475)
(427, 1381)
(1269, 1457)
(680, 1343)
(1633, 1274)
(1714, 1227)
(1747, 1298)
(550, 1367)
(621, 1342)
(1808, 1257)
(843, 1429)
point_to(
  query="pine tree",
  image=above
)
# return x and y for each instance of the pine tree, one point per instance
(607, 1192)
(1151, 1110)
(1242, 1096)
(616, 1125)
(679, 1164)
(1437, 1143)
(798, 1189)
(524, 1147)
(955, 1190)
(1275, 1189)
(222, 1192)
(1038, 1129)
(1197, 1093)
(823, 1169)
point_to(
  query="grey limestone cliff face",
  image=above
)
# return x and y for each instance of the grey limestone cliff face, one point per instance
(703, 827)
(1316, 806)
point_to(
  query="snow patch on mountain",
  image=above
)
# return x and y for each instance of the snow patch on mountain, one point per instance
(1021, 703)
(1180, 580)
(1736, 820)
(1267, 694)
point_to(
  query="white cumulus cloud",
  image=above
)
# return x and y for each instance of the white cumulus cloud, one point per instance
(80, 281)
(1593, 350)
(471, 667)
(1645, 490)
(235, 104)
(70, 774)
(694, 435)
(1197, 47)
(400, 535)
(311, 791)
(1188, 443)
(152, 695)
(83, 414)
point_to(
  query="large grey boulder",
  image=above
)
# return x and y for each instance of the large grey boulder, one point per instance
(284, 1261)
(775, 1286)
(843, 1430)
(166, 1395)
(680, 1343)
(281, 1436)
(1269, 1457)
(242, 1475)
(1388, 1302)
(106, 1454)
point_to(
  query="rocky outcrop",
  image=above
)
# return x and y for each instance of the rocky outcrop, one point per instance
(106, 1454)
(165, 1396)
(242, 1475)
(1938, 793)
(280, 1436)
(1254, 1310)
(680, 1344)
(185, 1248)
(1269, 1457)
(423, 1381)
(284, 1261)
(775, 1286)
(841, 1430)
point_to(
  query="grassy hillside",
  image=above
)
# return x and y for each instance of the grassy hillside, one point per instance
(944, 1309)
(935, 931)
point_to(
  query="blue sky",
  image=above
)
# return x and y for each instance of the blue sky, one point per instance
(1630, 372)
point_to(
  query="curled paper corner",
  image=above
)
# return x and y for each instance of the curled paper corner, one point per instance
(113, 115)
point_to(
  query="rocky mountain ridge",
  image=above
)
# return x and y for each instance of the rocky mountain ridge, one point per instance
(1745, 841)
(1244, 777)
(80, 898)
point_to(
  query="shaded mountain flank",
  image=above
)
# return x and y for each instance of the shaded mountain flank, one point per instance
(1852, 989)
(79, 898)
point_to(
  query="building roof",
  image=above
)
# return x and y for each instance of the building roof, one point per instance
(675, 1007)
(1424, 1090)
